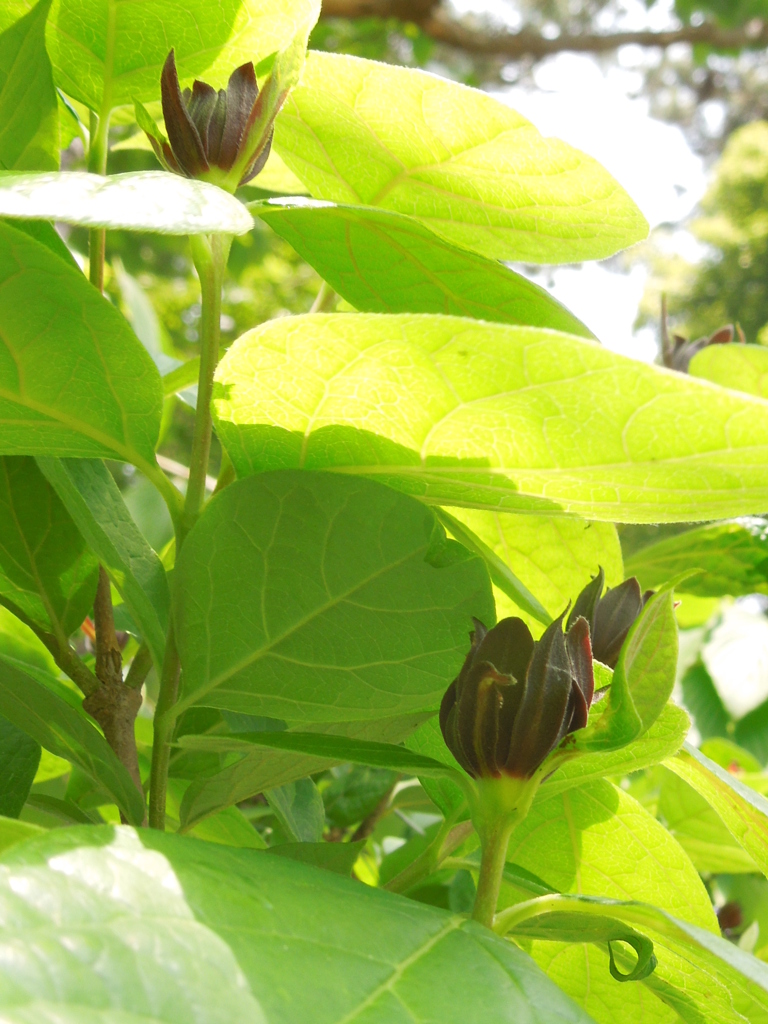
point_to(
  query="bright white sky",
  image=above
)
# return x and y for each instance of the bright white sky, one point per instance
(575, 100)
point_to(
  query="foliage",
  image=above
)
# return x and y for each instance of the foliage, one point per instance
(729, 283)
(213, 715)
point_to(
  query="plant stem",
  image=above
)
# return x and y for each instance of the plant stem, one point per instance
(163, 729)
(210, 257)
(494, 844)
(97, 164)
(325, 300)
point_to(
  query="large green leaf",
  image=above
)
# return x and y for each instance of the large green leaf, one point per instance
(384, 262)
(74, 379)
(699, 829)
(319, 597)
(743, 811)
(262, 768)
(475, 171)
(740, 367)
(178, 930)
(47, 573)
(66, 733)
(554, 557)
(139, 201)
(596, 840)
(491, 416)
(108, 53)
(19, 758)
(712, 958)
(734, 557)
(92, 498)
(29, 107)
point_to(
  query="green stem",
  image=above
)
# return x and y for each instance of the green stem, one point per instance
(210, 257)
(163, 733)
(97, 164)
(494, 845)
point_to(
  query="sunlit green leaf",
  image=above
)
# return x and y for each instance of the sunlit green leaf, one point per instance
(475, 171)
(19, 758)
(74, 379)
(509, 418)
(383, 262)
(106, 53)
(740, 367)
(29, 109)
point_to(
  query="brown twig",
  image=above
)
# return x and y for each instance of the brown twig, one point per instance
(113, 705)
(438, 25)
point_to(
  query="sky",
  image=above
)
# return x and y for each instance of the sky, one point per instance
(593, 109)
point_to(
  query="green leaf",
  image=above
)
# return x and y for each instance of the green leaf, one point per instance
(47, 573)
(29, 106)
(492, 416)
(94, 501)
(198, 924)
(717, 962)
(138, 201)
(299, 808)
(19, 758)
(383, 262)
(596, 840)
(337, 857)
(108, 53)
(739, 367)
(13, 831)
(333, 748)
(733, 557)
(74, 379)
(551, 557)
(318, 597)
(475, 171)
(229, 826)
(264, 768)
(699, 829)
(660, 741)
(642, 680)
(444, 792)
(56, 726)
(743, 811)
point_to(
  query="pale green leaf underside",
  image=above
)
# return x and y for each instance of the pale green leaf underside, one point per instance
(475, 171)
(310, 597)
(733, 557)
(740, 367)
(139, 201)
(107, 53)
(182, 931)
(491, 416)
(74, 379)
(383, 262)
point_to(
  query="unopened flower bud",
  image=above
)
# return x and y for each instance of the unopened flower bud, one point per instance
(610, 615)
(219, 136)
(515, 699)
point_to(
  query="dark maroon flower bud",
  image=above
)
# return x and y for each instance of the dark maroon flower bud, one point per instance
(610, 615)
(678, 354)
(515, 699)
(219, 136)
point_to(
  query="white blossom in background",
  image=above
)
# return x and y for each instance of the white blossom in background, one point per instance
(736, 657)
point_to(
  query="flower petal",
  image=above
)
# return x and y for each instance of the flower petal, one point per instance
(182, 133)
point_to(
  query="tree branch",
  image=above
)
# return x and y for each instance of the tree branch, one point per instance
(434, 22)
